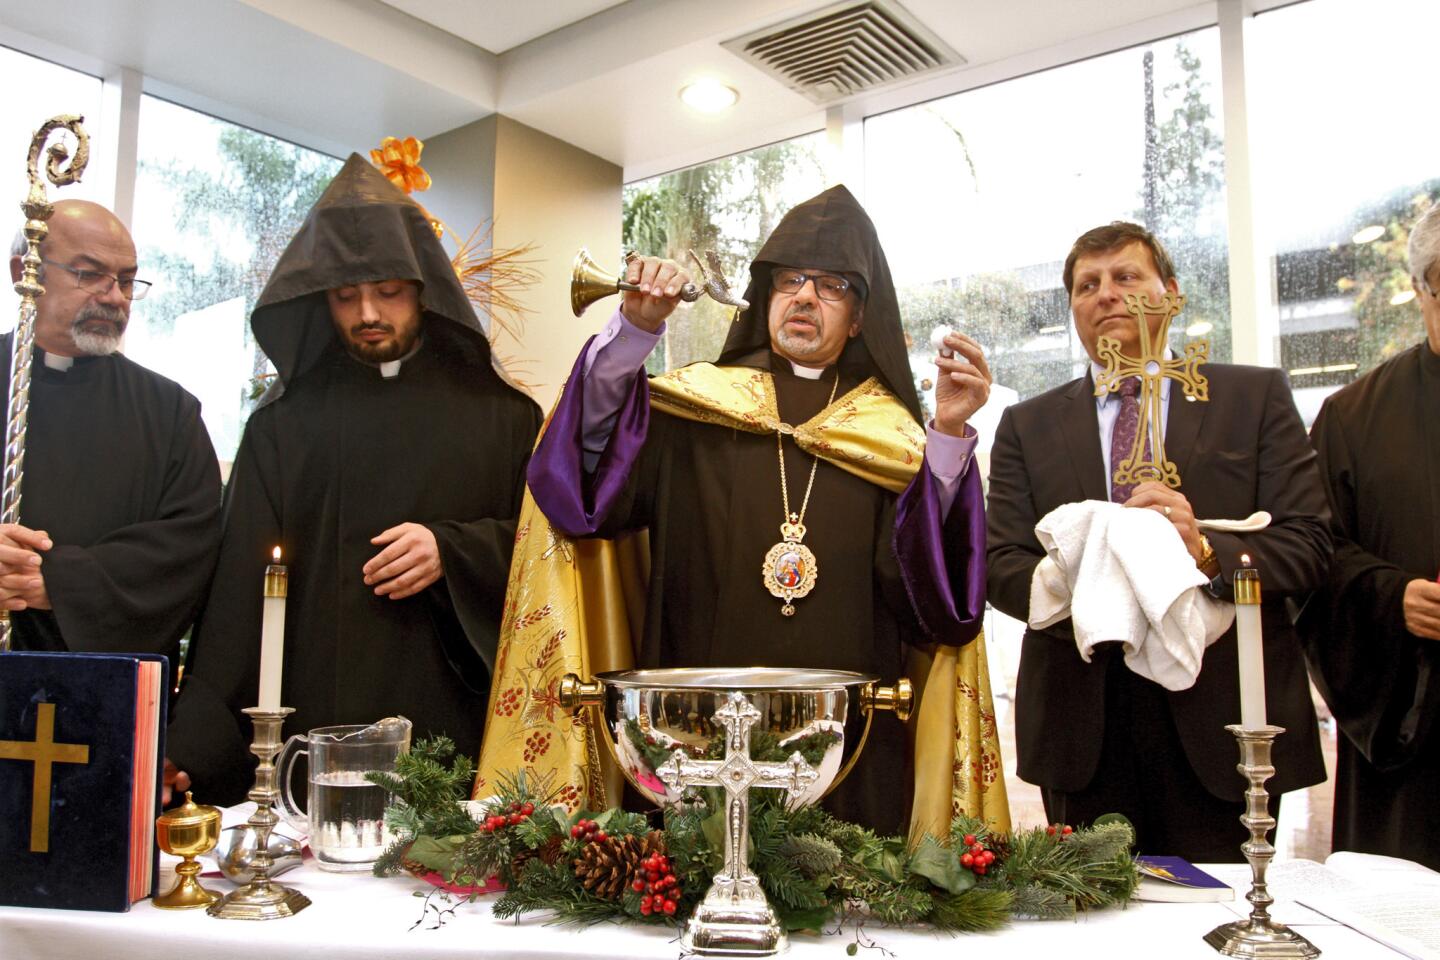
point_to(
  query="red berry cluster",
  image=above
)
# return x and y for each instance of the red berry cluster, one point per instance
(976, 858)
(658, 884)
(588, 831)
(1061, 830)
(517, 812)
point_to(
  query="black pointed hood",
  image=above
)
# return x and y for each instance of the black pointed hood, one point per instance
(363, 228)
(833, 232)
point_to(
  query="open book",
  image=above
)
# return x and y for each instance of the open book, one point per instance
(1394, 902)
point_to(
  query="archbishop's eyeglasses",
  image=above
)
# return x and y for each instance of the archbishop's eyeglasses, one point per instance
(827, 285)
(93, 281)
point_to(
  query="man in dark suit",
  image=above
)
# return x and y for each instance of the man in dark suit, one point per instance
(1094, 736)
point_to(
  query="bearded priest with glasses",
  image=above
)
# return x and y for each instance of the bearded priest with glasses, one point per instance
(120, 508)
(800, 513)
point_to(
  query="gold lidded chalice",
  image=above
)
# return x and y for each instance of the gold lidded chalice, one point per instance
(673, 730)
(187, 831)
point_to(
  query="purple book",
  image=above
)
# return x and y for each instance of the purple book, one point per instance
(1176, 880)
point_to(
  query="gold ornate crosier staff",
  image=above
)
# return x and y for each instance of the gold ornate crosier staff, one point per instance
(22, 345)
(1152, 367)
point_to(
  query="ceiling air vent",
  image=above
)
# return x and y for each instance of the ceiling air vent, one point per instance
(845, 49)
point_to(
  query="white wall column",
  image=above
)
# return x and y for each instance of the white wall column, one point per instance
(1255, 324)
(845, 148)
(115, 139)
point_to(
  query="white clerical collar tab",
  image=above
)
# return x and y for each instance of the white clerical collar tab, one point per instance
(806, 373)
(390, 368)
(56, 362)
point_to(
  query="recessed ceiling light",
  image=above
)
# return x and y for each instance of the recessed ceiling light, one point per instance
(1367, 234)
(1404, 296)
(709, 96)
(1199, 328)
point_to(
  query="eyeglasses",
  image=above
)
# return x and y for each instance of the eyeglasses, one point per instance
(827, 285)
(93, 281)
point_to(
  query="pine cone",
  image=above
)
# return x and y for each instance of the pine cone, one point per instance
(606, 867)
(550, 852)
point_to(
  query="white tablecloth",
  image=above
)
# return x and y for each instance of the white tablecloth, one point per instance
(357, 916)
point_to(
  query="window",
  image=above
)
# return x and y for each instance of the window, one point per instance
(215, 205)
(1344, 150)
(979, 196)
(730, 206)
(49, 90)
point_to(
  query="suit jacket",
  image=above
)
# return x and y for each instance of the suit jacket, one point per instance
(1243, 450)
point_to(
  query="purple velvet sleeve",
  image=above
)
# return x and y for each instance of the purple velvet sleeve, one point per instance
(576, 501)
(942, 557)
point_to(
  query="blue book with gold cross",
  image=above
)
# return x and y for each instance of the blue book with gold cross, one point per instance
(81, 751)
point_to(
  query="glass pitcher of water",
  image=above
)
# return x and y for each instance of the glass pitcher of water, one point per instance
(344, 813)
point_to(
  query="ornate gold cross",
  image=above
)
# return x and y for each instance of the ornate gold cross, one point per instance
(1152, 368)
(43, 751)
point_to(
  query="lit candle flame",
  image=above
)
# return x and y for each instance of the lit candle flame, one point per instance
(276, 554)
(1244, 557)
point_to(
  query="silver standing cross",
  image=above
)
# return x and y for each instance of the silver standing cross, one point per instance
(735, 917)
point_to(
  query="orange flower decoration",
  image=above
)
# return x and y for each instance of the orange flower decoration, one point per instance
(399, 160)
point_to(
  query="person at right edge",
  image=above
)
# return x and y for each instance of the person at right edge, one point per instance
(1096, 737)
(1371, 633)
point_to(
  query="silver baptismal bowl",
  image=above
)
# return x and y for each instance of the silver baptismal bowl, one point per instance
(672, 731)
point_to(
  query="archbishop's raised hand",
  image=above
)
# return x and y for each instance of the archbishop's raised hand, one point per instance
(660, 282)
(963, 384)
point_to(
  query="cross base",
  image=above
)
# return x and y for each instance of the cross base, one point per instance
(734, 920)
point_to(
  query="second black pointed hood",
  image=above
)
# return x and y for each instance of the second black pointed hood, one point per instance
(362, 229)
(831, 231)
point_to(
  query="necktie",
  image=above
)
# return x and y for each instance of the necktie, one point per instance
(1122, 436)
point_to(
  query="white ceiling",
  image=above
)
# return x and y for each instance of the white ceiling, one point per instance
(340, 74)
(496, 27)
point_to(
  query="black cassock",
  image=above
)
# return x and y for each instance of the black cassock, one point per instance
(1379, 446)
(121, 474)
(336, 454)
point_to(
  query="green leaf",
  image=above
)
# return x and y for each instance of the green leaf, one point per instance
(713, 827)
(815, 919)
(940, 866)
(891, 863)
(437, 853)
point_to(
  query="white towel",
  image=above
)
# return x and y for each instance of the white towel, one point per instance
(1124, 575)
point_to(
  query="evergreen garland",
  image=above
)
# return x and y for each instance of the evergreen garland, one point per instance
(815, 869)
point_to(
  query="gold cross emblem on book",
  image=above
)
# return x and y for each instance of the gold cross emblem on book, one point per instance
(43, 751)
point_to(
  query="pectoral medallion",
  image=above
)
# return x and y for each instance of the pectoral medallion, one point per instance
(790, 568)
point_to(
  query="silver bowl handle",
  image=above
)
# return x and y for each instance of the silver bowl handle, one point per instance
(575, 694)
(900, 699)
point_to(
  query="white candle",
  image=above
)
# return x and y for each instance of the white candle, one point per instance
(1251, 647)
(272, 633)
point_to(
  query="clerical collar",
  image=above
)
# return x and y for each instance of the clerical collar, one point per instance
(56, 362)
(391, 368)
(806, 373)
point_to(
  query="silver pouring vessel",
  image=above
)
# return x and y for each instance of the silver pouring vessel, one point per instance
(672, 731)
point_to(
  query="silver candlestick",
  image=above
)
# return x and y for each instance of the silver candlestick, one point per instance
(262, 898)
(1259, 936)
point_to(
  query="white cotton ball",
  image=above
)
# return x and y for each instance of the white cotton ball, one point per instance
(937, 340)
